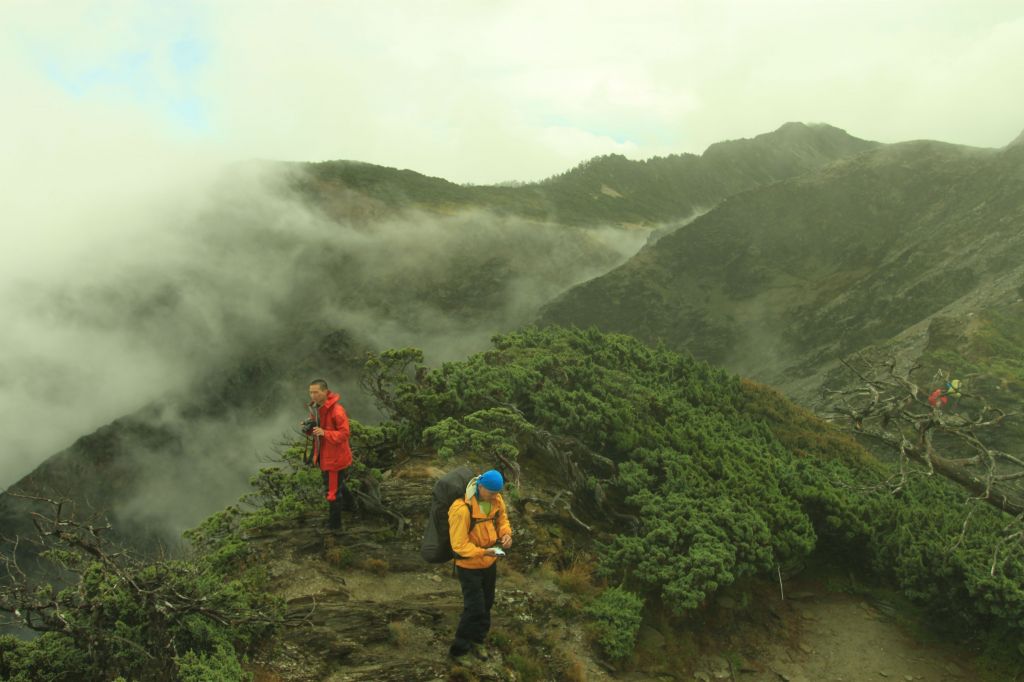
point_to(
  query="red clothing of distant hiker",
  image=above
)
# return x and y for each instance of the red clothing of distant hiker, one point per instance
(331, 451)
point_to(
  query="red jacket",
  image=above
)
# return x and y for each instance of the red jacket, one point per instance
(331, 450)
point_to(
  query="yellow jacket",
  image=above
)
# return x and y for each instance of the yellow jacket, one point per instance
(471, 544)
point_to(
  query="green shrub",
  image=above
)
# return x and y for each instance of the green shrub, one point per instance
(42, 658)
(221, 665)
(122, 616)
(617, 614)
(724, 478)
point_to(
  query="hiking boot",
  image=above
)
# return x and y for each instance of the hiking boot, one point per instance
(459, 655)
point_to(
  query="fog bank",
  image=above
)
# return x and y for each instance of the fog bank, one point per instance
(226, 298)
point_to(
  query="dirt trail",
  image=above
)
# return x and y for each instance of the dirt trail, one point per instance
(364, 606)
(405, 619)
(845, 638)
(818, 636)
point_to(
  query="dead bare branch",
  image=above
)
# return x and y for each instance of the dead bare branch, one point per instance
(888, 406)
(75, 546)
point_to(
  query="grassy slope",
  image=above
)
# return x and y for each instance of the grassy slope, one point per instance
(780, 280)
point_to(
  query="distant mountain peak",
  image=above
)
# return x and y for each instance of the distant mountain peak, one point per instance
(796, 130)
(795, 138)
(771, 281)
(800, 126)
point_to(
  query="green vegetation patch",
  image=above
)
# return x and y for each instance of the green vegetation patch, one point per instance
(126, 617)
(690, 478)
(696, 478)
(617, 615)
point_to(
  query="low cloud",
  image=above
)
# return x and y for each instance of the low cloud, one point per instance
(173, 306)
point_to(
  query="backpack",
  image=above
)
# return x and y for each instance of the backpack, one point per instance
(436, 547)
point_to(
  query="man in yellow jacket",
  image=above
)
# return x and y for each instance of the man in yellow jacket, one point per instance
(477, 523)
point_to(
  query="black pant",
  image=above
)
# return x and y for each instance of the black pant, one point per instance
(334, 506)
(477, 599)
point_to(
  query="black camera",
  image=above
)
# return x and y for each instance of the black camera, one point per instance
(308, 425)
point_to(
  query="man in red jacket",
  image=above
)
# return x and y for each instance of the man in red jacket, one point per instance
(330, 446)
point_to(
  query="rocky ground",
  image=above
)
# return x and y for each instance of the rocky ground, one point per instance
(362, 605)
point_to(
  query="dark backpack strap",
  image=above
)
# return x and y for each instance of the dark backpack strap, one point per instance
(474, 522)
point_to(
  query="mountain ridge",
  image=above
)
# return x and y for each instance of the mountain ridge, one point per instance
(602, 190)
(783, 272)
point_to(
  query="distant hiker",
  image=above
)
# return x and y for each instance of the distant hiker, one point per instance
(939, 398)
(936, 399)
(328, 426)
(477, 523)
(953, 390)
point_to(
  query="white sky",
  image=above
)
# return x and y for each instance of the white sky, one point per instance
(489, 91)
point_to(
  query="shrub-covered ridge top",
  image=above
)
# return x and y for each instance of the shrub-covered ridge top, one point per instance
(694, 478)
(686, 479)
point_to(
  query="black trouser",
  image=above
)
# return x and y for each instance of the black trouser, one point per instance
(340, 494)
(477, 599)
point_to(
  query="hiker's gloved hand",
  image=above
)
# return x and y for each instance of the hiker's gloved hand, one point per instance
(506, 540)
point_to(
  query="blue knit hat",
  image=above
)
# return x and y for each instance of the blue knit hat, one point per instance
(491, 480)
